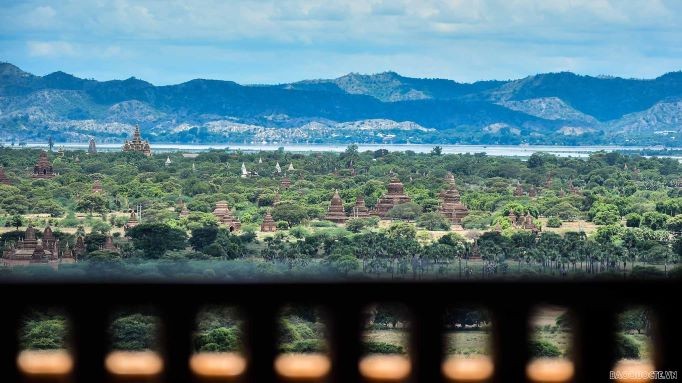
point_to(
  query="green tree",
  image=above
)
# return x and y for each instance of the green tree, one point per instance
(154, 239)
(654, 220)
(16, 221)
(406, 211)
(44, 334)
(433, 221)
(92, 203)
(401, 230)
(135, 332)
(203, 237)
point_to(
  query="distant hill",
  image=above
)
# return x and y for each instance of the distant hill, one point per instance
(547, 108)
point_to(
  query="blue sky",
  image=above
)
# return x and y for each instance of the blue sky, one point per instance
(276, 41)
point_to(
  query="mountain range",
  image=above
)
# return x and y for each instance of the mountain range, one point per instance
(551, 108)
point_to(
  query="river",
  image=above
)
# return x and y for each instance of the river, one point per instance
(491, 150)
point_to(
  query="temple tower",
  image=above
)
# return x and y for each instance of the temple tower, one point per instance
(360, 210)
(92, 146)
(97, 187)
(451, 206)
(43, 168)
(137, 144)
(335, 212)
(224, 215)
(3, 177)
(395, 196)
(268, 224)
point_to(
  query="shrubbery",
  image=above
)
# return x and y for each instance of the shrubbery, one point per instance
(626, 347)
(553, 222)
(382, 348)
(544, 349)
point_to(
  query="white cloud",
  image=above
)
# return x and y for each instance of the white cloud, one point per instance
(461, 39)
(50, 48)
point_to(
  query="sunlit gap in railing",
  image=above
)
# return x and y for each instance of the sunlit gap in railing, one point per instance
(218, 344)
(467, 344)
(303, 346)
(550, 345)
(634, 347)
(385, 341)
(45, 345)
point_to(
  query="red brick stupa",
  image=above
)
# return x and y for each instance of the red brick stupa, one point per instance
(360, 210)
(286, 183)
(395, 196)
(225, 217)
(3, 177)
(268, 224)
(97, 187)
(451, 206)
(43, 168)
(335, 212)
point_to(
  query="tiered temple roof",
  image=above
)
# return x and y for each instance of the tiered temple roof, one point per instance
(523, 221)
(451, 206)
(268, 224)
(31, 250)
(132, 221)
(184, 212)
(79, 247)
(97, 187)
(225, 217)
(519, 192)
(286, 183)
(109, 244)
(360, 210)
(137, 144)
(335, 213)
(395, 196)
(3, 177)
(528, 224)
(43, 168)
(92, 147)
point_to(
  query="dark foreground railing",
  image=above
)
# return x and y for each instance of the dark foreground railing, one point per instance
(594, 306)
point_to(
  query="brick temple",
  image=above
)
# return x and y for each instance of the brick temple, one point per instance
(224, 215)
(395, 196)
(451, 206)
(335, 213)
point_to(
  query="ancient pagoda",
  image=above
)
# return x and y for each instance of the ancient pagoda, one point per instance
(519, 192)
(3, 177)
(268, 224)
(184, 212)
(43, 168)
(97, 187)
(30, 250)
(132, 220)
(137, 144)
(360, 210)
(79, 247)
(67, 255)
(109, 245)
(335, 212)
(92, 146)
(395, 196)
(286, 183)
(224, 215)
(451, 206)
(527, 223)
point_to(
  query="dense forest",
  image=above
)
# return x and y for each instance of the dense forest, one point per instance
(609, 214)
